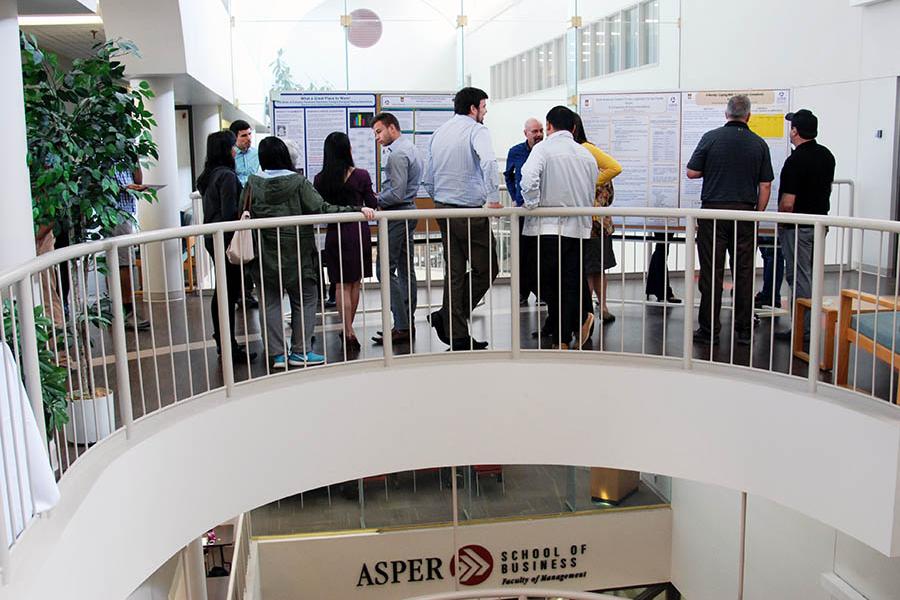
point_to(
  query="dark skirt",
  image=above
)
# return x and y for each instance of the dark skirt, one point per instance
(348, 262)
(598, 254)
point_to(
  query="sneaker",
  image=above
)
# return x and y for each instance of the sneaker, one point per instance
(279, 362)
(312, 358)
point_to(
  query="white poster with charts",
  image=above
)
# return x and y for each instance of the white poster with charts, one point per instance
(642, 132)
(307, 118)
(704, 111)
(419, 116)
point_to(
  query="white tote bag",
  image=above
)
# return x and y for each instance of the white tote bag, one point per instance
(240, 250)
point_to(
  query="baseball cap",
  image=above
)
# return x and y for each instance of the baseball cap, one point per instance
(806, 123)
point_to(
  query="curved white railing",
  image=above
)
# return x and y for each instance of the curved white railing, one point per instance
(141, 373)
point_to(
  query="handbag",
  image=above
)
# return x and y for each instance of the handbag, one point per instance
(603, 196)
(240, 250)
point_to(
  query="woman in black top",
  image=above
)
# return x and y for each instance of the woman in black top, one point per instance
(221, 190)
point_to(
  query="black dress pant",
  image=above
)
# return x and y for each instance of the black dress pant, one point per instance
(715, 238)
(658, 281)
(470, 267)
(235, 293)
(564, 287)
(528, 266)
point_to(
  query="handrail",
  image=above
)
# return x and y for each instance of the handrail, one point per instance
(50, 259)
(237, 579)
(517, 592)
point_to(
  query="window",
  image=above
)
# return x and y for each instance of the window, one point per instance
(623, 40)
(630, 41)
(614, 43)
(650, 32)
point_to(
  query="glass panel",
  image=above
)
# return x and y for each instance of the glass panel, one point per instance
(559, 61)
(650, 35)
(631, 41)
(614, 43)
(598, 48)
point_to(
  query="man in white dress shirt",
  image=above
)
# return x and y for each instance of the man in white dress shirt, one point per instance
(560, 172)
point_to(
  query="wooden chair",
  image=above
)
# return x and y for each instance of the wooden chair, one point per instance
(875, 332)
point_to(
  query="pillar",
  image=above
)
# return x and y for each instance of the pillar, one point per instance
(17, 228)
(166, 211)
(194, 570)
(207, 120)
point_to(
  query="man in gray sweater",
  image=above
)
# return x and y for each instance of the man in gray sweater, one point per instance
(402, 177)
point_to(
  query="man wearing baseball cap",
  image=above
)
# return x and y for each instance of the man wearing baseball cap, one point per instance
(806, 180)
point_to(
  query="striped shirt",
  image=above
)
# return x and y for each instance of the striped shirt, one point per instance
(461, 168)
(127, 203)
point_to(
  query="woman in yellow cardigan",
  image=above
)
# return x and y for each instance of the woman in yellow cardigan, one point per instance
(598, 250)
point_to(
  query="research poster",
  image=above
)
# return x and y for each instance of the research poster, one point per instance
(307, 118)
(642, 132)
(703, 111)
(419, 115)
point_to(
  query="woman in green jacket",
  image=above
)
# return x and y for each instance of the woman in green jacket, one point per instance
(277, 191)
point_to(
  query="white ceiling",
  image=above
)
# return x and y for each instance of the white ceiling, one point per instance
(57, 7)
(67, 41)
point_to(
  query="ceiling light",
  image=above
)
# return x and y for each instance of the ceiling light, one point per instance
(43, 20)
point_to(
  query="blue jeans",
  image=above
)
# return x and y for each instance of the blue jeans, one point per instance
(404, 288)
(773, 270)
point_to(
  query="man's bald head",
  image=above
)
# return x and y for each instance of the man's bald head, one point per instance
(534, 131)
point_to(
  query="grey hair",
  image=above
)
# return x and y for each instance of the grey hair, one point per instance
(738, 107)
(294, 151)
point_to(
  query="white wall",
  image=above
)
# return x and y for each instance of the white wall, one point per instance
(155, 27)
(166, 583)
(786, 552)
(705, 540)
(769, 437)
(206, 26)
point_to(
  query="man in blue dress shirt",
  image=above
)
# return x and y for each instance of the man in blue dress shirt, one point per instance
(518, 154)
(462, 172)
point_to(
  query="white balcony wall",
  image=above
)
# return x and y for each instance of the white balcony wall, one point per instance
(165, 487)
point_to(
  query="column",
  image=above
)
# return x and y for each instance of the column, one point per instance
(207, 120)
(17, 229)
(166, 211)
(194, 570)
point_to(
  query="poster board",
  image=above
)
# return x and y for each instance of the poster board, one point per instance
(419, 115)
(702, 111)
(653, 134)
(643, 133)
(307, 118)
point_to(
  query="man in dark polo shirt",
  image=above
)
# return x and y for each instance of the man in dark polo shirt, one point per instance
(805, 188)
(736, 169)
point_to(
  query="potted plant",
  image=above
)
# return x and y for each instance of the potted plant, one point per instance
(83, 125)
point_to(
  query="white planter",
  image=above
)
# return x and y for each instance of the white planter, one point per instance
(91, 419)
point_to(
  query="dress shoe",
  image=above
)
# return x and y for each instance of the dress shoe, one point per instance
(437, 321)
(467, 343)
(742, 338)
(607, 318)
(239, 355)
(398, 336)
(560, 346)
(703, 336)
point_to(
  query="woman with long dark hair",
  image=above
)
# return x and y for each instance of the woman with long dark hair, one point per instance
(221, 190)
(598, 250)
(348, 255)
(289, 265)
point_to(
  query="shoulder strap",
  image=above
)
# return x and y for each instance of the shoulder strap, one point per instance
(248, 201)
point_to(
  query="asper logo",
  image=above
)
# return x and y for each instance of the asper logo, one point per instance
(475, 565)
